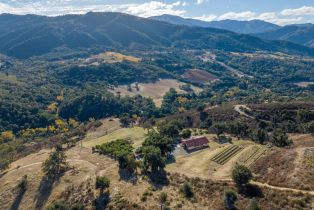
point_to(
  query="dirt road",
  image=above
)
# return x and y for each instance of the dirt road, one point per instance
(238, 108)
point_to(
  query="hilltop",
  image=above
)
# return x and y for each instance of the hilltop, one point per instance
(31, 35)
(243, 27)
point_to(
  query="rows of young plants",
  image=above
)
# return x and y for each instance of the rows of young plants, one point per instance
(225, 155)
(257, 156)
(252, 155)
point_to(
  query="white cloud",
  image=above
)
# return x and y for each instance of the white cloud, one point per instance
(302, 11)
(279, 19)
(247, 15)
(284, 17)
(200, 1)
(154, 8)
(207, 17)
(51, 8)
(150, 8)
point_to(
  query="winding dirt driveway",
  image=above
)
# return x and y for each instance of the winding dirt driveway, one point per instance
(238, 108)
(260, 184)
(39, 163)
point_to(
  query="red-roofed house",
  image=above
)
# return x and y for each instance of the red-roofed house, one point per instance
(195, 142)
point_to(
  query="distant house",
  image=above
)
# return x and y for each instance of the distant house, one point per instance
(195, 143)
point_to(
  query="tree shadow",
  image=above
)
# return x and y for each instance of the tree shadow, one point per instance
(102, 201)
(17, 201)
(45, 189)
(127, 176)
(170, 159)
(158, 179)
(251, 190)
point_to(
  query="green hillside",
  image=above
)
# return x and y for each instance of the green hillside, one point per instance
(27, 36)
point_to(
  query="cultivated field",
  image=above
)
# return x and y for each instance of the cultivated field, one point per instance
(225, 155)
(196, 75)
(249, 157)
(214, 162)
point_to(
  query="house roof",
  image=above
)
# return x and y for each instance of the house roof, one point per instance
(195, 141)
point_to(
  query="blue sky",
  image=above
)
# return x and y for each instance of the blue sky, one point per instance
(277, 11)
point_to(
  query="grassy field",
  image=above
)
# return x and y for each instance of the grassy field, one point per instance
(9, 78)
(79, 181)
(114, 57)
(156, 90)
(136, 134)
(111, 130)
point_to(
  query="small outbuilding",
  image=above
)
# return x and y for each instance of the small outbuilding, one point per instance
(195, 143)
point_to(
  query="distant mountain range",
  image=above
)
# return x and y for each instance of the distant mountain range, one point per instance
(300, 34)
(243, 27)
(31, 35)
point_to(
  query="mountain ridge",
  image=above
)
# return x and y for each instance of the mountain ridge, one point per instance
(243, 27)
(302, 34)
(32, 35)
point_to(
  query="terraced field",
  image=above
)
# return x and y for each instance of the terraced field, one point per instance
(250, 156)
(225, 155)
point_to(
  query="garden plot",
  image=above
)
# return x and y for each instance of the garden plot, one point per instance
(253, 154)
(225, 155)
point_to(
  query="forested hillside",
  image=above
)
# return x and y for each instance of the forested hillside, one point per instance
(300, 34)
(243, 27)
(26, 36)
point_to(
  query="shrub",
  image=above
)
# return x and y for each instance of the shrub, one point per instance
(241, 175)
(280, 139)
(58, 205)
(144, 198)
(310, 127)
(163, 197)
(230, 198)
(186, 133)
(254, 205)
(102, 182)
(186, 189)
(22, 185)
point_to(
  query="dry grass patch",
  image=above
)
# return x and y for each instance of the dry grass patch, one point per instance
(292, 167)
(114, 57)
(78, 186)
(302, 140)
(303, 84)
(155, 90)
(199, 163)
(276, 167)
(108, 126)
(135, 134)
